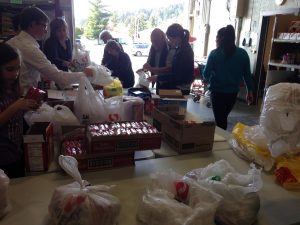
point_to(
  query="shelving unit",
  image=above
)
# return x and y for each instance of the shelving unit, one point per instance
(285, 71)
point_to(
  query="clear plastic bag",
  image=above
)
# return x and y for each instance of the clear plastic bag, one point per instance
(101, 75)
(79, 203)
(240, 203)
(4, 204)
(172, 200)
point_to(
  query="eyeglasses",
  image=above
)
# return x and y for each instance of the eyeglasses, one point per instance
(43, 24)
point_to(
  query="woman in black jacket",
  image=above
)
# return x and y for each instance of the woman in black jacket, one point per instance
(182, 70)
(58, 48)
(119, 63)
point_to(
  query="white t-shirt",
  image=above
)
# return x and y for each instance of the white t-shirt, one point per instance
(34, 63)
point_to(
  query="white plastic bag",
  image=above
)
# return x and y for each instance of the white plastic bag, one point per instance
(101, 75)
(88, 105)
(114, 110)
(240, 203)
(80, 59)
(162, 202)
(143, 79)
(62, 116)
(4, 204)
(77, 203)
(280, 118)
(44, 113)
(133, 108)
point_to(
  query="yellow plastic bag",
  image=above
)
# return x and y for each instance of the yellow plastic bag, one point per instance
(245, 147)
(238, 133)
(115, 88)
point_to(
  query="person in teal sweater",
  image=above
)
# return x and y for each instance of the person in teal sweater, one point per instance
(227, 66)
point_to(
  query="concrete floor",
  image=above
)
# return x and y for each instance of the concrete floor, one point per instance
(241, 112)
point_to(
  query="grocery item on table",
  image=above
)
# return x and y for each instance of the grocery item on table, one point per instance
(35, 94)
(171, 199)
(240, 203)
(80, 203)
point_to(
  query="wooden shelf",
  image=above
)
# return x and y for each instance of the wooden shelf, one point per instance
(276, 40)
(277, 63)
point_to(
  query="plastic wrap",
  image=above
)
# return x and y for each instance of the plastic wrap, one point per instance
(4, 204)
(101, 75)
(240, 203)
(82, 204)
(250, 144)
(280, 118)
(173, 200)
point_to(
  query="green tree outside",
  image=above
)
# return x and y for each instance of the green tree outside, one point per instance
(97, 19)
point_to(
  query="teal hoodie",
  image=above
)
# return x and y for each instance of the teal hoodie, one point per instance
(225, 75)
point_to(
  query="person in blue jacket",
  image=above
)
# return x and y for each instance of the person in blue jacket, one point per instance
(58, 48)
(227, 66)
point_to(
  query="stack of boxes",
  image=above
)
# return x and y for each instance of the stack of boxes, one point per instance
(111, 144)
(184, 132)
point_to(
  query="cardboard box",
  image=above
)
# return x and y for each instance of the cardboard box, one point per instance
(172, 97)
(183, 131)
(122, 143)
(98, 161)
(88, 161)
(38, 147)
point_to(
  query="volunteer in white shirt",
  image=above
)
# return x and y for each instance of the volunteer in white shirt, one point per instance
(33, 24)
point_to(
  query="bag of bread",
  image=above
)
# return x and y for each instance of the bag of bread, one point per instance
(82, 204)
(4, 205)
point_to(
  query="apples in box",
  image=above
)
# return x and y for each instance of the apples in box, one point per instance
(122, 137)
(182, 130)
(38, 146)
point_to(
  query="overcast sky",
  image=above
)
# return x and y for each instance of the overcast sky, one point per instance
(81, 7)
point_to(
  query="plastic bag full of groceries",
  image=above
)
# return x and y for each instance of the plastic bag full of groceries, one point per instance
(4, 204)
(80, 59)
(173, 200)
(280, 118)
(240, 203)
(101, 75)
(81, 204)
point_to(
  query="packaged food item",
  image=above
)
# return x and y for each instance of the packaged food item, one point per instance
(35, 94)
(4, 204)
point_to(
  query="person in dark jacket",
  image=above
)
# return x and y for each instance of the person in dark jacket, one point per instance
(58, 48)
(119, 64)
(182, 69)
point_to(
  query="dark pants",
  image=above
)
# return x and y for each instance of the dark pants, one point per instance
(222, 104)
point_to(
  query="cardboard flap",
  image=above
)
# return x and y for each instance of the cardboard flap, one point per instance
(33, 138)
(172, 93)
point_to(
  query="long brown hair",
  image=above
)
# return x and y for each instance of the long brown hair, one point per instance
(7, 54)
(226, 36)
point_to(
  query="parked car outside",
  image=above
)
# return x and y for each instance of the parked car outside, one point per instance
(140, 49)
